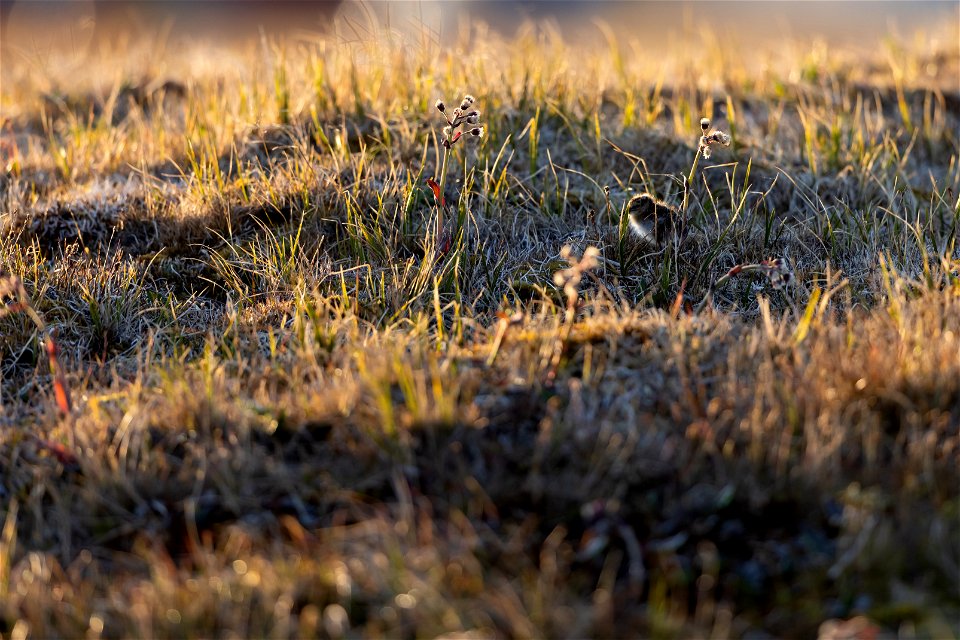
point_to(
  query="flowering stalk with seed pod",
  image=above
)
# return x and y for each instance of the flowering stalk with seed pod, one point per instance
(777, 271)
(569, 280)
(464, 121)
(707, 140)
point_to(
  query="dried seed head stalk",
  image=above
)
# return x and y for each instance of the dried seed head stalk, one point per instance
(462, 116)
(464, 121)
(707, 140)
(715, 137)
(777, 271)
(570, 277)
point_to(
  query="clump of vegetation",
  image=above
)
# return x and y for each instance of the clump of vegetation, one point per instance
(601, 409)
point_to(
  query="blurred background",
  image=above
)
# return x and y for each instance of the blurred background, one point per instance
(36, 27)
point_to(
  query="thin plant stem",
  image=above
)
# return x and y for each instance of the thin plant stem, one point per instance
(689, 183)
(441, 205)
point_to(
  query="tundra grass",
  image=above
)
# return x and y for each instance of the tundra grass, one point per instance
(309, 395)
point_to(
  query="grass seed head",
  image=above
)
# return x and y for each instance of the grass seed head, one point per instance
(719, 137)
(569, 278)
(458, 121)
(715, 137)
(778, 272)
